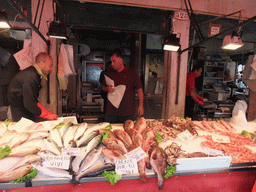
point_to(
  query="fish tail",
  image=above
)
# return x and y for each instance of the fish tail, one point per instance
(75, 180)
(160, 183)
(143, 177)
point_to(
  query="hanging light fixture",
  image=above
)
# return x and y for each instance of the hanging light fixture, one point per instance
(4, 23)
(232, 42)
(57, 30)
(171, 42)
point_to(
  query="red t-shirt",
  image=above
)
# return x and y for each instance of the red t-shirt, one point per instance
(190, 85)
(130, 78)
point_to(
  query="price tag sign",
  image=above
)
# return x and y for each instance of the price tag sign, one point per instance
(70, 151)
(213, 152)
(137, 154)
(126, 166)
(185, 136)
(220, 139)
(61, 162)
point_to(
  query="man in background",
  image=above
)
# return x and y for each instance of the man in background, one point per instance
(122, 75)
(23, 90)
(191, 96)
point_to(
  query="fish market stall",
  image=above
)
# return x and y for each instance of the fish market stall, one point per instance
(145, 155)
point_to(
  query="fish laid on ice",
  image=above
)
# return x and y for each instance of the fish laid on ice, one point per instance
(80, 131)
(52, 146)
(69, 136)
(91, 145)
(99, 126)
(158, 162)
(3, 128)
(56, 137)
(64, 128)
(90, 159)
(25, 160)
(136, 138)
(115, 144)
(86, 138)
(24, 151)
(51, 171)
(14, 174)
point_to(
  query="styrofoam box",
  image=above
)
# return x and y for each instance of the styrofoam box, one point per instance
(202, 163)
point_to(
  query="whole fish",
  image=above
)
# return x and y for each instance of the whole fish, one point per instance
(51, 171)
(124, 137)
(95, 170)
(140, 124)
(24, 151)
(128, 124)
(52, 146)
(18, 139)
(14, 174)
(86, 138)
(7, 137)
(64, 128)
(99, 126)
(136, 138)
(56, 137)
(69, 135)
(110, 133)
(142, 171)
(32, 143)
(38, 135)
(25, 160)
(91, 145)
(112, 155)
(158, 162)
(90, 159)
(80, 131)
(115, 144)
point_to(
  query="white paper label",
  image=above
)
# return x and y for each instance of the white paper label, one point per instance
(126, 166)
(214, 152)
(185, 136)
(61, 162)
(70, 151)
(137, 154)
(220, 139)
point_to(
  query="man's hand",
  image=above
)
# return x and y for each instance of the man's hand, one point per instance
(46, 114)
(199, 97)
(140, 111)
(110, 89)
(200, 102)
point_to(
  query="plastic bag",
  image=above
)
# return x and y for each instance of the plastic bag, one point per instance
(239, 113)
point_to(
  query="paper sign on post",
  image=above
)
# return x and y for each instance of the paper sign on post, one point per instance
(137, 154)
(220, 138)
(70, 151)
(185, 136)
(126, 166)
(61, 162)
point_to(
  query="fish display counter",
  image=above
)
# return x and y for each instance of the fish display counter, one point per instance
(145, 155)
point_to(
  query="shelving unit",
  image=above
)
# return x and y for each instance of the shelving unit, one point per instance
(213, 74)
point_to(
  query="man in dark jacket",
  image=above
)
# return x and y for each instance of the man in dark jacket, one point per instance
(24, 88)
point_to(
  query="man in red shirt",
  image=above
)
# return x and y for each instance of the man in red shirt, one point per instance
(122, 75)
(191, 96)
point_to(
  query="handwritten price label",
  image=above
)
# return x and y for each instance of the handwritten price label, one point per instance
(61, 162)
(185, 136)
(126, 166)
(70, 151)
(220, 139)
(137, 154)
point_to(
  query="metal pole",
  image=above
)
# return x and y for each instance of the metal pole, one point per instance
(24, 17)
